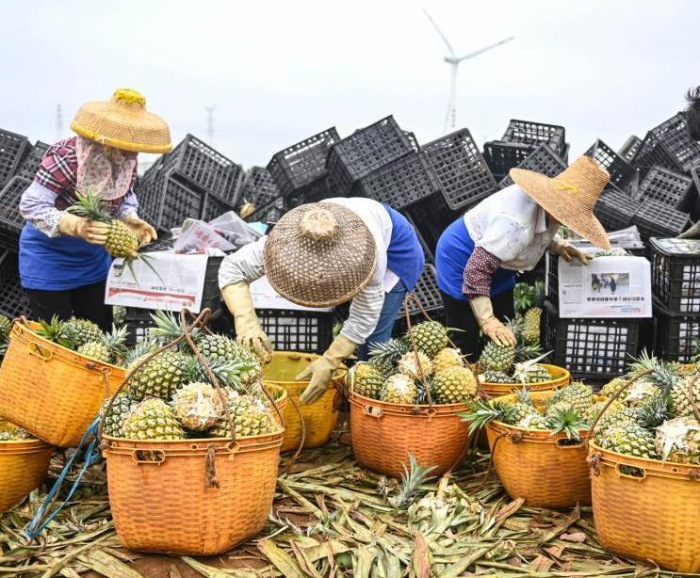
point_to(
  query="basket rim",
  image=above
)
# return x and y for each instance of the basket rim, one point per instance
(532, 434)
(24, 446)
(666, 469)
(201, 443)
(441, 410)
(338, 374)
(565, 373)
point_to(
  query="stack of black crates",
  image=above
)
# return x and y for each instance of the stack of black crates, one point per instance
(675, 276)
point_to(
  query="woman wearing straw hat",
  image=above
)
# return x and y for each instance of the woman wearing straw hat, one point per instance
(63, 265)
(321, 255)
(478, 255)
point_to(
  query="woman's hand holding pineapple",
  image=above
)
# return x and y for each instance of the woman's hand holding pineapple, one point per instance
(93, 232)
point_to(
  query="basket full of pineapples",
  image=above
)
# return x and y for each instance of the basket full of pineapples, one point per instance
(645, 466)
(405, 401)
(192, 444)
(537, 441)
(55, 375)
(24, 463)
(503, 368)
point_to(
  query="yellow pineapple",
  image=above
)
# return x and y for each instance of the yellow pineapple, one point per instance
(447, 357)
(364, 379)
(454, 385)
(400, 389)
(415, 365)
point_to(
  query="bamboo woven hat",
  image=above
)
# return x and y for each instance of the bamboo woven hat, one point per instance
(319, 255)
(123, 123)
(570, 196)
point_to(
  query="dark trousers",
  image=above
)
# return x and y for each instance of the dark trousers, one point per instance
(458, 315)
(86, 302)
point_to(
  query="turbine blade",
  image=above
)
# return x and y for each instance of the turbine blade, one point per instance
(444, 38)
(482, 50)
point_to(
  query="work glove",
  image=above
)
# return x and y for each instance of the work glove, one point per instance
(143, 231)
(248, 330)
(321, 370)
(91, 231)
(567, 252)
(490, 325)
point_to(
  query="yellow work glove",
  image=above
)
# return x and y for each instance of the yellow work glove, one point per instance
(321, 370)
(490, 325)
(248, 330)
(567, 252)
(143, 231)
(91, 231)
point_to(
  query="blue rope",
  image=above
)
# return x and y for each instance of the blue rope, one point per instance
(45, 515)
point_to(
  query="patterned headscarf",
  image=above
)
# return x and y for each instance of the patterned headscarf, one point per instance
(103, 169)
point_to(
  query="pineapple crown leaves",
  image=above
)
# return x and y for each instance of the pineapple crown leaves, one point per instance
(673, 435)
(228, 373)
(524, 296)
(662, 373)
(482, 412)
(167, 327)
(139, 350)
(521, 369)
(568, 421)
(413, 477)
(523, 395)
(58, 332)
(656, 412)
(91, 206)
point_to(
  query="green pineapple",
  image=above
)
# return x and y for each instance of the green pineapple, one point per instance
(385, 356)
(400, 389)
(429, 337)
(108, 348)
(114, 420)
(678, 440)
(84, 330)
(578, 395)
(198, 406)
(454, 385)
(496, 357)
(250, 416)
(159, 377)
(58, 332)
(364, 379)
(152, 419)
(523, 405)
(616, 413)
(491, 376)
(629, 438)
(681, 403)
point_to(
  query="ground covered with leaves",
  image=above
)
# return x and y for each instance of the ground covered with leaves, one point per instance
(332, 519)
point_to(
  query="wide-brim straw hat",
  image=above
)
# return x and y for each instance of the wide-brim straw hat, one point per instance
(123, 123)
(319, 255)
(570, 196)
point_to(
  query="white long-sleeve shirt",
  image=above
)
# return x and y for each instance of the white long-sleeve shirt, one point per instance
(246, 264)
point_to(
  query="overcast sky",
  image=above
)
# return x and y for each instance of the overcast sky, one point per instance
(278, 71)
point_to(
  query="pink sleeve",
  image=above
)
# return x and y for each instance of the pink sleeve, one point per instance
(477, 274)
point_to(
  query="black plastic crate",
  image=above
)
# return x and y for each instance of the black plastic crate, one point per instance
(619, 169)
(13, 300)
(591, 348)
(542, 160)
(269, 213)
(301, 164)
(536, 133)
(615, 209)
(413, 140)
(502, 156)
(31, 162)
(259, 187)
(13, 148)
(427, 250)
(669, 145)
(213, 207)
(11, 221)
(675, 334)
(427, 293)
(169, 202)
(400, 183)
(629, 149)
(666, 186)
(203, 168)
(460, 168)
(317, 191)
(367, 150)
(656, 219)
(675, 274)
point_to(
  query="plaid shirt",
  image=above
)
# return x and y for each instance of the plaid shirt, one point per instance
(58, 173)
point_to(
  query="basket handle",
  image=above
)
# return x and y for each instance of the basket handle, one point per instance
(160, 454)
(622, 474)
(37, 351)
(373, 411)
(565, 444)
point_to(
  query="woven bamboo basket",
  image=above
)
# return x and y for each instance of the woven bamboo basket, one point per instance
(320, 417)
(23, 467)
(280, 397)
(384, 434)
(547, 471)
(51, 391)
(163, 498)
(559, 378)
(646, 509)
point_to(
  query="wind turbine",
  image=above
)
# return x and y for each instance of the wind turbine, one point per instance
(453, 61)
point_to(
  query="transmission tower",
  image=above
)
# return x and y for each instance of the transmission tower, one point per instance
(210, 124)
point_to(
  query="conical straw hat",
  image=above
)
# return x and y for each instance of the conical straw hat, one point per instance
(319, 255)
(123, 123)
(570, 196)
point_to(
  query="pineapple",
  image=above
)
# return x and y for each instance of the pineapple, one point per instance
(454, 385)
(85, 331)
(530, 372)
(159, 377)
(152, 419)
(416, 365)
(578, 395)
(400, 389)
(364, 379)
(629, 438)
(616, 413)
(58, 332)
(447, 357)
(523, 406)
(119, 315)
(15, 434)
(114, 420)
(613, 386)
(250, 417)
(121, 240)
(531, 331)
(429, 337)
(678, 440)
(413, 478)
(198, 406)
(534, 421)
(681, 404)
(141, 349)
(566, 420)
(384, 356)
(108, 348)
(5, 327)
(640, 393)
(491, 376)
(482, 412)
(497, 357)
